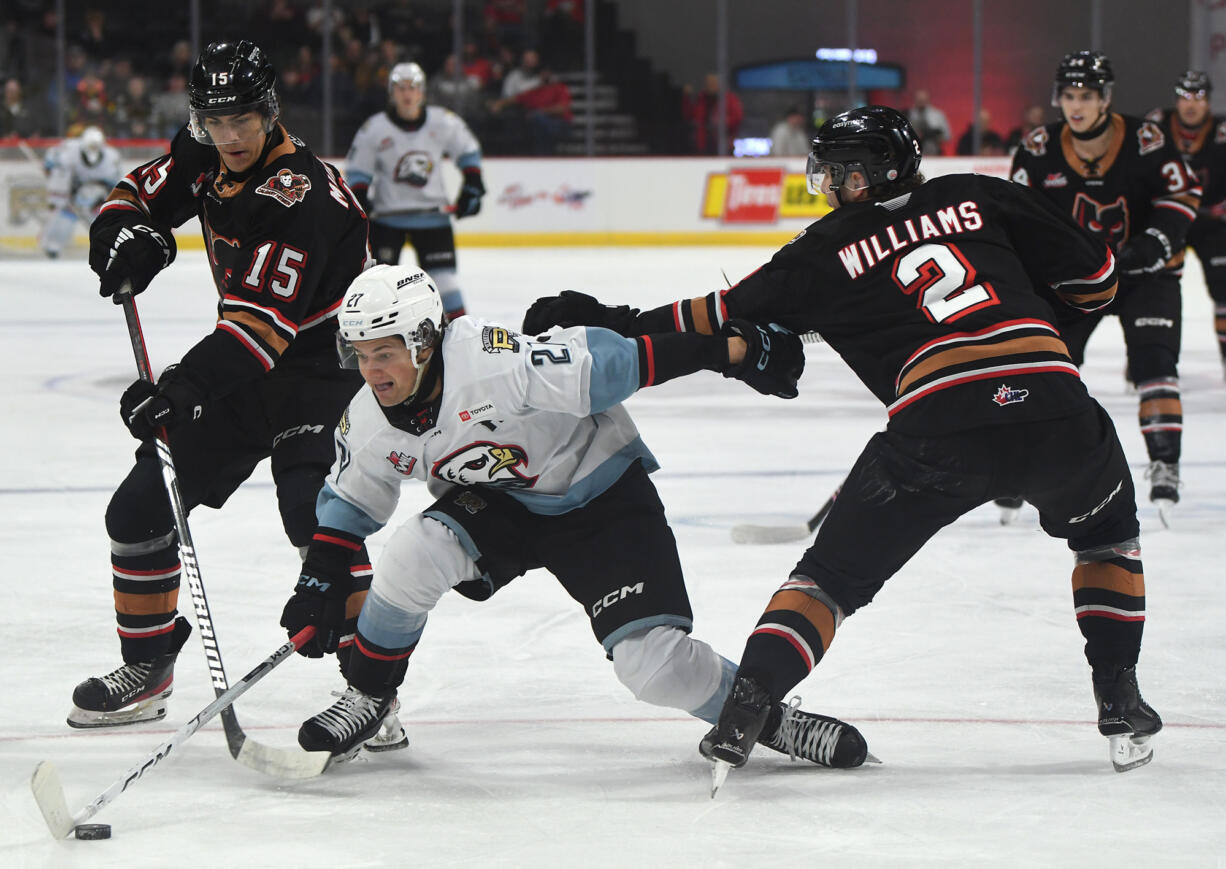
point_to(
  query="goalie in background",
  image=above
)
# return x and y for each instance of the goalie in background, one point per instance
(80, 174)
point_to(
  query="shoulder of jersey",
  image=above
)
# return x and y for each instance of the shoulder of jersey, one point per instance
(362, 419)
(1147, 135)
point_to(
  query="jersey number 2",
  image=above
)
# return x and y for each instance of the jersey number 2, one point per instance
(943, 281)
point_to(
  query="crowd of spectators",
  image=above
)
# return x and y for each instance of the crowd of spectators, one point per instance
(132, 81)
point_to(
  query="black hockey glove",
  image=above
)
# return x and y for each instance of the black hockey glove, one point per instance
(145, 407)
(576, 309)
(322, 592)
(1145, 253)
(469, 202)
(774, 358)
(123, 246)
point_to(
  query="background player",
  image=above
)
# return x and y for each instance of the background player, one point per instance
(535, 463)
(284, 238)
(926, 289)
(1123, 179)
(1201, 137)
(395, 169)
(80, 174)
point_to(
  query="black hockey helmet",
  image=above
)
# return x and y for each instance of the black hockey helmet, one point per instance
(876, 141)
(231, 78)
(1193, 83)
(1084, 69)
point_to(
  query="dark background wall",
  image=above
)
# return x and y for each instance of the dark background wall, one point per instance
(1023, 41)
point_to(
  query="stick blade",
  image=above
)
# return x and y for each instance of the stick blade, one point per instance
(49, 795)
(282, 763)
(760, 534)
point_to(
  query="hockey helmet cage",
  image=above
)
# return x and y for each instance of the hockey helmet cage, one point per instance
(388, 300)
(877, 141)
(409, 73)
(1084, 69)
(1193, 84)
(231, 78)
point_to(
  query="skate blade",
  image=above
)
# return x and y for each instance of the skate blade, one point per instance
(390, 737)
(1129, 752)
(146, 710)
(871, 758)
(1166, 508)
(719, 774)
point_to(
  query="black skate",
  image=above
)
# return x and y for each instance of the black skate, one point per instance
(355, 721)
(818, 738)
(1164, 488)
(1009, 508)
(728, 744)
(134, 692)
(1124, 717)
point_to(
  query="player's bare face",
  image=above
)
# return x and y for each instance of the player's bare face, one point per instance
(1083, 108)
(387, 367)
(239, 139)
(408, 99)
(1192, 109)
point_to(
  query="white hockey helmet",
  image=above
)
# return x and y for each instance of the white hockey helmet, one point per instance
(92, 142)
(389, 300)
(406, 72)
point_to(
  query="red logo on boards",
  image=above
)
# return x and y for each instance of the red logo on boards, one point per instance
(753, 195)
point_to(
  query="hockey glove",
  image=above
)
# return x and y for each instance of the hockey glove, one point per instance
(322, 591)
(145, 407)
(123, 246)
(774, 358)
(469, 203)
(576, 309)
(1145, 253)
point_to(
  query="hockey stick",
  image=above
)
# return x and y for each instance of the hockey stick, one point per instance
(784, 533)
(274, 761)
(49, 793)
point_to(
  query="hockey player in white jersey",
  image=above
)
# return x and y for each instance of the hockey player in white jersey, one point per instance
(534, 463)
(394, 167)
(80, 174)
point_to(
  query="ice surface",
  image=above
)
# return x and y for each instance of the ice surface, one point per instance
(965, 675)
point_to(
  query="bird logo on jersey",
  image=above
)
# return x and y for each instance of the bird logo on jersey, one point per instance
(414, 168)
(1008, 395)
(288, 188)
(484, 463)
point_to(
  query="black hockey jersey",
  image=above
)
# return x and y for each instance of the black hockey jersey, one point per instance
(1141, 181)
(931, 299)
(284, 243)
(1205, 151)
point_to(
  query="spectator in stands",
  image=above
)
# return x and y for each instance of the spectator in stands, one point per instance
(990, 142)
(300, 80)
(562, 34)
(929, 122)
(97, 38)
(792, 136)
(476, 65)
(1033, 117)
(133, 113)
(91, 107)
(457, 91)
(547, 111)
(179, 61)
(16, 116)
(170, 107)
(502, 22)
(524, 77)
(701, 113)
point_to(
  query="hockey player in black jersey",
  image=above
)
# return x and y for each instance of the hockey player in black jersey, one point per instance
(284, 238)
(1124, 180)
(1201, 137)
(927, 291)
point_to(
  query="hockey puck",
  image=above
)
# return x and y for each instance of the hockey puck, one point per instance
(93, 831)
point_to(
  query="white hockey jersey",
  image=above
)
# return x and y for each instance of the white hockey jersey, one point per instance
(401, 167)
(542, 421)
(70, 179)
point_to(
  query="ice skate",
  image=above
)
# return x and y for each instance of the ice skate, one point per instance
(1009, 508)
(131, 693)
(1164, 488)
(728, 744)
(1124, 717)
(818, 738)
(354, 721)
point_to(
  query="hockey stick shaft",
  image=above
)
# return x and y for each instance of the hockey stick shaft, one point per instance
(45, 782)
(187, 549)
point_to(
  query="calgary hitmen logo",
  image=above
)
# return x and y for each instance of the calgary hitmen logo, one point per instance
(286, 187)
